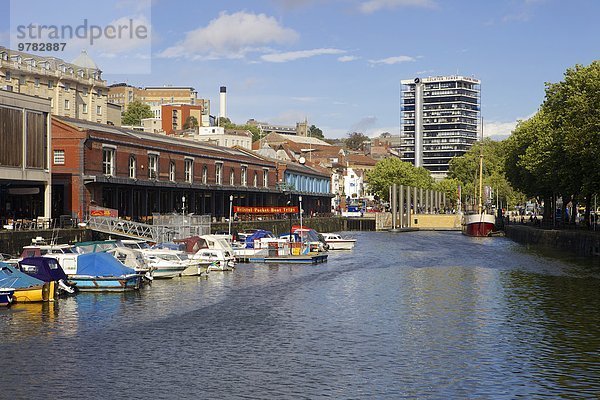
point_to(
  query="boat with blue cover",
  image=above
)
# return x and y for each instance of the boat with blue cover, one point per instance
(26, 288)
(46, 269)
(103, 272)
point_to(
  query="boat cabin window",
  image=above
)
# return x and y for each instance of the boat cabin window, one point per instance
(52, 264)
(29, 269)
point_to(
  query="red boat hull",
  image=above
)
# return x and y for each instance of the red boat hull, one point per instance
(478, 225)
(479, 229)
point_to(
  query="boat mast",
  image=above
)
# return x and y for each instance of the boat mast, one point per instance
(480, 206)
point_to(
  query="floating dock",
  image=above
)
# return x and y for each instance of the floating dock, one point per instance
(301, 259)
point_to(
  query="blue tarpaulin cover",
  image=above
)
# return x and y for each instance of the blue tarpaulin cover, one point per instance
(259, 234)
(13, 278)
(101, 264)
(43, 268)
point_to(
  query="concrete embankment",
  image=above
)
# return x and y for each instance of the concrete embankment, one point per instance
(582, 243)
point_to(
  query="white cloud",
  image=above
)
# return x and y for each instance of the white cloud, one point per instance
(296, 55)
(393, 60)
(500, 130)
(371, 6)
(347, 58)
(425, 72)
(305, 99)
(289, 117)
(232, 36)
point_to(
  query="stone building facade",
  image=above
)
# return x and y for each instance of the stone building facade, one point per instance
(75, 89)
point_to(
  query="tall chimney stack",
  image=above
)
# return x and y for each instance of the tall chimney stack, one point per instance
(223, 102)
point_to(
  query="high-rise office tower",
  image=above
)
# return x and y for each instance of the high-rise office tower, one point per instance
(439, 120)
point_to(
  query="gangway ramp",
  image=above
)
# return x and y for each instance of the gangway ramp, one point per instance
(167, 229)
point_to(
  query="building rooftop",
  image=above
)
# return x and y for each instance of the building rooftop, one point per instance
(87, 125)
(85, 61)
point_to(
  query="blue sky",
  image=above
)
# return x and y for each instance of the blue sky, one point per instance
(338, 63)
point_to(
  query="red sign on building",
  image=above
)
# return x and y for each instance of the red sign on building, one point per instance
(103, 212)
(265, 210)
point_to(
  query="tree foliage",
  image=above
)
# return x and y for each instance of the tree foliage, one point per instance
(465, 170)
(190, 122)
(315, 132)
(355, 140)
(227, 124)
(556, 152)
(135, 112)
(393, 170)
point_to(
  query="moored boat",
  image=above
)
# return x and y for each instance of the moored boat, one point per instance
(63, 253)
(103, 272)
(217, 251)
(483, 222)
(478, 224)
(129, 257)
(337, 242)
(47, 269)
(26, 288)
(215, 259)
(6, 296)
(166, 263)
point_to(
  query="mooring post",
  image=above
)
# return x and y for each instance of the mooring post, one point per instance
(415, 210)
(394, 205)
(444, 200)
(401, 204)
(408, 206)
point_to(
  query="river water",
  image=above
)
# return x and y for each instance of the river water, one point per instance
(423, 315)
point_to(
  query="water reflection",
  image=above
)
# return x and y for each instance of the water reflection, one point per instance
(419, 315)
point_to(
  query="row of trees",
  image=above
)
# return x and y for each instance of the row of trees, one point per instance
(557, 151)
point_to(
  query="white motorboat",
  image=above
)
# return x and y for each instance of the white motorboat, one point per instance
(216, 259)
(337, 242)
(167, 263)
(63, 253)
(218, 251)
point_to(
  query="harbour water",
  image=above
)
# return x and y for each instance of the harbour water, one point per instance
(420, 315)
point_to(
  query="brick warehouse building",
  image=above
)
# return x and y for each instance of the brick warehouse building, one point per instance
(141, 173)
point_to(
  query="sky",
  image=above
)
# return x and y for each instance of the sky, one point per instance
(336, 63)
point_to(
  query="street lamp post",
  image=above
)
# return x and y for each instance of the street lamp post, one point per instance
(230, 209)
(183, 201)
(300, 201)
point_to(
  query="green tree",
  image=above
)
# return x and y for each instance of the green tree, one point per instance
(465, 170)
(573, 109)
(393, 170)
(556, 152)
(224, 121)
(135, 112)
(449, 186)
(315, 132)
(190, 122)
(355, 140)
(227, 124)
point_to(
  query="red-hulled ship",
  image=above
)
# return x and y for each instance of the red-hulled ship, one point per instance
(482, 224)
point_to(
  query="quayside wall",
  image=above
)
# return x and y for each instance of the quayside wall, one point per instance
(12, 242)
(582, 243)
